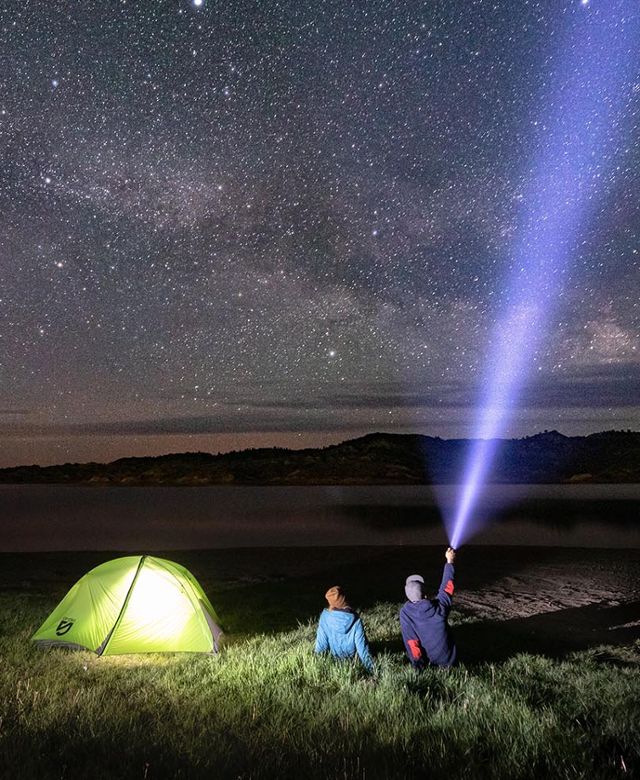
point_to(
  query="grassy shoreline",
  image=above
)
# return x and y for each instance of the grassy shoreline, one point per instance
(549, 704)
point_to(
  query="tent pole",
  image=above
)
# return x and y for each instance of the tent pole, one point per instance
(107, 639)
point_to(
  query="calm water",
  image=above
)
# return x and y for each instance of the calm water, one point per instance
(52, 517)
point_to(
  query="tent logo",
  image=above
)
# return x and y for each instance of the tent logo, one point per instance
(64, 626)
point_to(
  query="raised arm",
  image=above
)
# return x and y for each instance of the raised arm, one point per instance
(447, 586)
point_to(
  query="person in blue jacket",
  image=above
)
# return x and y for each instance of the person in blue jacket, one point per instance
(340, 630)
(423, 621)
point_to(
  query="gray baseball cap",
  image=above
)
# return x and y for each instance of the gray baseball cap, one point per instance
(413, 587)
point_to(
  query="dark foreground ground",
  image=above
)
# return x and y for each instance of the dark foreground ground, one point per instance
(549, 683)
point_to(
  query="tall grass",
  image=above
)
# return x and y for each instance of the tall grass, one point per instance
(267, 707)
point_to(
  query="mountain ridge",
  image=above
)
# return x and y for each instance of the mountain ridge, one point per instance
(375, 458)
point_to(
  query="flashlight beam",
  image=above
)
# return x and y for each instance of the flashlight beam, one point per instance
(575, 156)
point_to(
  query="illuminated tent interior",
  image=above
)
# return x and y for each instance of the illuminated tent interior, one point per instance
(135, 604)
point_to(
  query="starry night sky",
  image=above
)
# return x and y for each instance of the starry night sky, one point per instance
(230, 224)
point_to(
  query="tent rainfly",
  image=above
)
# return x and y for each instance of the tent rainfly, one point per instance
(135, 604)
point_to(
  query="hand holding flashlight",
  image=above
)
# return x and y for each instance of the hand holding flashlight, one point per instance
(450, 555)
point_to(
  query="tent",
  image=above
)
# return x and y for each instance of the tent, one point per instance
(135, 604)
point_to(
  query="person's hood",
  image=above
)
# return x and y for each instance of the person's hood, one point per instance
(422, 607)
(342, 619)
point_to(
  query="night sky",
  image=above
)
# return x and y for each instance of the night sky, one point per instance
(230, 224)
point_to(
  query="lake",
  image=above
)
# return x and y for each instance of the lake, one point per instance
(63, 517)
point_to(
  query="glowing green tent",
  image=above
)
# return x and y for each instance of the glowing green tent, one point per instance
(136, 604)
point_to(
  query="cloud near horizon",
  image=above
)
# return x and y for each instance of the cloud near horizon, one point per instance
(391, 408)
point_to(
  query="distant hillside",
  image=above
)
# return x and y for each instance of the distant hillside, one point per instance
(378, 458)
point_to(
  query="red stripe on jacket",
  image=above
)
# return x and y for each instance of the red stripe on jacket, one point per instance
(448, 588)
(414, 646)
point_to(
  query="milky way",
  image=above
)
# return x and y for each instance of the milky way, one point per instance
(232, 224)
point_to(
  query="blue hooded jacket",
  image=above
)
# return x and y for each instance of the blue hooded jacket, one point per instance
(424, 626)
(340, 631)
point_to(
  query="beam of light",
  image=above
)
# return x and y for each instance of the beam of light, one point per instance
(582, 128)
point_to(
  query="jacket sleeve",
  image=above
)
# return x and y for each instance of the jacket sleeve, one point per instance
(447, 587)
(362, 646)
(412, 645)
(322, 640)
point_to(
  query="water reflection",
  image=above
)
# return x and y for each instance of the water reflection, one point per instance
(54, 517)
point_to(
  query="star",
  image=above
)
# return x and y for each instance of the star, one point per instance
(256, 223)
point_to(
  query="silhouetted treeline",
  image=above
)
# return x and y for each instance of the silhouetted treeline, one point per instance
(378, 458)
